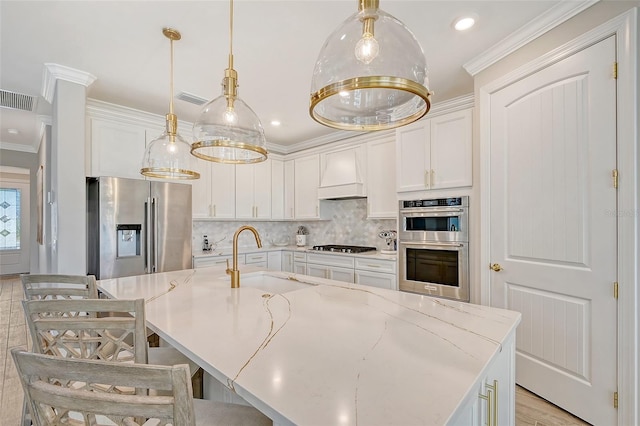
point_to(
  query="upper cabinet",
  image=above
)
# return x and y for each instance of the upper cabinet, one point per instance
(435, 153)
(214, 194)
(253, 190)
(307, 180)
(381, 171)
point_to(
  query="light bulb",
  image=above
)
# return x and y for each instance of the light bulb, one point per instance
(171, 147)
(367, 48)
(230, 116)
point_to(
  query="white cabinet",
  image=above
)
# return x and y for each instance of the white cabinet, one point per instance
(382, 199)
(214, 193)
(274, 260)
(342, 173)
(376, 272)
(253, 190)
(333, 267)
(307, 180)
(491, 401)
(256, 259)
(287, 261)
(277, 189)
(117, 148)
(300, 263)
(289, 189)
(203, 262)
(435, 153)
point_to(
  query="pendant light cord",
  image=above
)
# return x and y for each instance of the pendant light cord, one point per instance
(230, 34)
(171, 82)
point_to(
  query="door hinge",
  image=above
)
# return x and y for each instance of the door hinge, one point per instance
(615, 400)
(615, 290)
(615, 70)
(614, 174)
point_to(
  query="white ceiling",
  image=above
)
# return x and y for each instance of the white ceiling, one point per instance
(275, 46)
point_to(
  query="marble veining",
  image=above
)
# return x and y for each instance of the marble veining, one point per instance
(330, 353)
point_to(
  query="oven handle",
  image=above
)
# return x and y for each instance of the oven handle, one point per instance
(431, 210)
(427, 244)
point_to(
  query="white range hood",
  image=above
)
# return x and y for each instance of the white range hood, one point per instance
(342, 174)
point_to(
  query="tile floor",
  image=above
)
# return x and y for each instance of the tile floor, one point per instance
(530, 409)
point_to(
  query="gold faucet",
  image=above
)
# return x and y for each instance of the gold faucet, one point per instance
(235, 273)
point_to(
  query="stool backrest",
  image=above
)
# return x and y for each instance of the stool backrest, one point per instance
(101, 329)
(54, 396)
(55, 286)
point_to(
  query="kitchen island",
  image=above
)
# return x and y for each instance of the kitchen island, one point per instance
(306, 350)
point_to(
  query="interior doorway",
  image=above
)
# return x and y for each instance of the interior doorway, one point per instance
(14, 220)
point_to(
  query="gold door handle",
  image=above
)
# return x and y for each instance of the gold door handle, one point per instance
(495, 267)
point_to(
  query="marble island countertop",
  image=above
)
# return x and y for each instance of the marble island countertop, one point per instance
(324, 352)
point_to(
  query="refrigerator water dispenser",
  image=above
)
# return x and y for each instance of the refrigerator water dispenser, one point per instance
(128, 240)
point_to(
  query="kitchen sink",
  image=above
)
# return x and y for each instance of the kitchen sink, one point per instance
(272, 282)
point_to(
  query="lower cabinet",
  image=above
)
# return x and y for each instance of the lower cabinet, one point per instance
(287, 261)
(492, 400)
(256, 259)
(376, 272)
(333, 267)
(204, 262)
(299, 263)
(274, 260)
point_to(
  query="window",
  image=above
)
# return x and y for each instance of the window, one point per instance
(9, 219)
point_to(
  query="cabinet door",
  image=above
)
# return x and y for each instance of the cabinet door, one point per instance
(274, 260)
(300, 268)
(382, 200)
(412, 150)
(451, 150)
(287, 261)
(244, 191)
(223, 191)
(277, 189)
(262, 189)
(117, 148)
(201, 191)
(319, 271)
(341, 274)
(307, 180)
(376, 279)
(289, 189)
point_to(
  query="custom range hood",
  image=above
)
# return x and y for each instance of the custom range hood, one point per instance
(342, 174)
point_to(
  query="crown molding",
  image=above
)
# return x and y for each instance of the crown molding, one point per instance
(9, 146)
(555, 16)
(54, 72)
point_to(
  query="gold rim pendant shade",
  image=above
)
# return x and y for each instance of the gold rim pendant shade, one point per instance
(371, 74)
(227, 130)
(169, 155)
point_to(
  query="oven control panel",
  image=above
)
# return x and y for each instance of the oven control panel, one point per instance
(454, 201)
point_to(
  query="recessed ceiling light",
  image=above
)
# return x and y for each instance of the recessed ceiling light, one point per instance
(464, 23)
(275, 123)
(13, 131)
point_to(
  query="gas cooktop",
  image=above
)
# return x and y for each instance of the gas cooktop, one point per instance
(343, 249)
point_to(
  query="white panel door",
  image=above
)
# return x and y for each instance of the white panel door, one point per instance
(553, 149)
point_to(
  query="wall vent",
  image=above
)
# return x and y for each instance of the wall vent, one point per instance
(17, 101)
(191, 98)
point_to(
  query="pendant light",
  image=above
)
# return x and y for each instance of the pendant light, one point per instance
(371, 74)
(169, 156)
(228, 131)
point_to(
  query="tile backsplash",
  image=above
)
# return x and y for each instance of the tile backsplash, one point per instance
(348, 224)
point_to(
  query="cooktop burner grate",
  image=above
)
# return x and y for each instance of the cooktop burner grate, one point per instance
(343, 249)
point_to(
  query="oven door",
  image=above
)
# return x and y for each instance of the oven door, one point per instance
(434, 269)
(434, 224)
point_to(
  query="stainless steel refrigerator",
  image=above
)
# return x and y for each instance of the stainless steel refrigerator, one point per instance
(137, 227)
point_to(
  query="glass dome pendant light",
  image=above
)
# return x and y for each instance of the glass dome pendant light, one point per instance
(169, 156)
(371, 74)
(228, 131)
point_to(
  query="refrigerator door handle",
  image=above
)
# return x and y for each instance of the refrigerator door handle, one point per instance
(147, 236)
(154, 202)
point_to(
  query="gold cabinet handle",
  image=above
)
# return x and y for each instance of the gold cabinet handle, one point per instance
(494, 388)
(489, 398)
(432, 181)
(495, 267)
(427, 178)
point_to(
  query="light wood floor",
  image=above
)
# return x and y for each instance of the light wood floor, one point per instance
(530, 409)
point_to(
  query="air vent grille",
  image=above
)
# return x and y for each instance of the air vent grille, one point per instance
(191, 98)
(17, 101)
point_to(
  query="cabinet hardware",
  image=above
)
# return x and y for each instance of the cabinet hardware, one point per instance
(494, 388)
(615, 399)
(488, 398)
(614, 174)
(615, 290)
(495, 267)
(373, 266)
(214, 210)
(427, 179)
(432, 181)
(615, 70)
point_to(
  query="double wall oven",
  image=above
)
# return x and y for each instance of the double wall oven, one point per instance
(433, 247)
